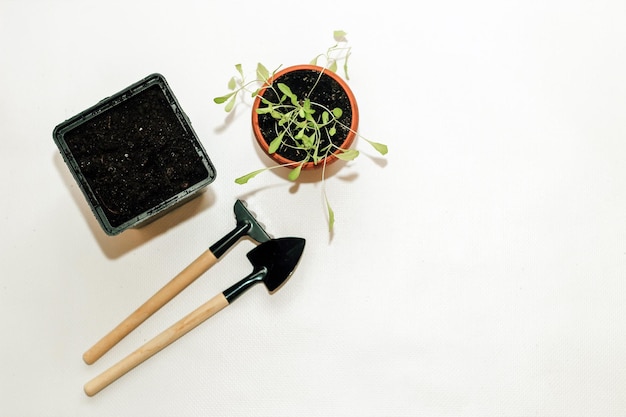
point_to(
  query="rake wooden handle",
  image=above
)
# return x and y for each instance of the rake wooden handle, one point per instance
(158, 300)
(155, 345)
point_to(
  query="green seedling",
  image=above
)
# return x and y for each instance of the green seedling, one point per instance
(301, 123)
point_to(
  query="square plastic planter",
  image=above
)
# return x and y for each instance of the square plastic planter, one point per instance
(134, 155)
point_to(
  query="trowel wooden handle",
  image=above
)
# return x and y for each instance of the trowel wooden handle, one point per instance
(158, 300)
(155, 345)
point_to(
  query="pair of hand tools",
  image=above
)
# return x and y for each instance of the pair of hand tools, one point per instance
(273, 262)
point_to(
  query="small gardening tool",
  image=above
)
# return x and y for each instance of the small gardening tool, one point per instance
(273, 263)
(246, 225)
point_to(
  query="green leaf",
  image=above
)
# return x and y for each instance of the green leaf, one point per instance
(333, 66)
(232, 83)
(266, 101)
(275, 144)
(239, 69)
(307, 106)
(295, 173)
(230, 104)
(262, 73)
(331, 215)
(332, 131)
(339, 35)
(307, 141)
(337, 112)
(245, 178)
(380, 147)
(348, 155)
(263, 110)
(222, 99)
(283, 118)
(325, 117)
(284, 88)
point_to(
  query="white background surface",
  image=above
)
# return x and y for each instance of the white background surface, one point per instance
(478, 270)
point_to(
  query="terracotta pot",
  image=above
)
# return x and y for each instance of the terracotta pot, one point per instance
(343, 139)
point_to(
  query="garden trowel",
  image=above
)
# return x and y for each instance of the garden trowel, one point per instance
(246, 225)
(273, 263)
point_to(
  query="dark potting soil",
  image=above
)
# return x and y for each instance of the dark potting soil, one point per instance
(327, 92)
(136, 155)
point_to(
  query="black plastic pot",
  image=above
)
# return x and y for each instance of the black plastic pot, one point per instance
(134, 155)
